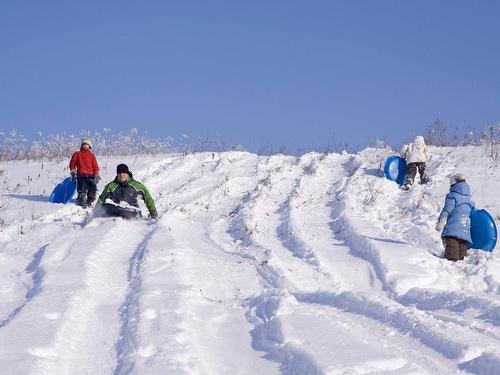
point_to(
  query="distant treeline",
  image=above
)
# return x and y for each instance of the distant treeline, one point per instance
(16, 146)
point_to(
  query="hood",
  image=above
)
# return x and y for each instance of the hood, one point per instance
(461, 188)
(419, 140)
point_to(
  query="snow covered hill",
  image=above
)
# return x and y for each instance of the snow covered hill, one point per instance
(257, 265)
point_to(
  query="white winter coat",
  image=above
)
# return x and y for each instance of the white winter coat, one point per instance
(416, 152)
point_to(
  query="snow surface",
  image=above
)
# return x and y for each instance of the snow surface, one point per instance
(257, 265)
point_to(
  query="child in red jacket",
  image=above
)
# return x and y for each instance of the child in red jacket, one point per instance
(85, 172)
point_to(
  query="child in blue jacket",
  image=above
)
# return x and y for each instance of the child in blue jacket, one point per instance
(455, 218)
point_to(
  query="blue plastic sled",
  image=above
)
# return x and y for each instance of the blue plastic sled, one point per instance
(395, 169)
(483, 230)
(63, 192)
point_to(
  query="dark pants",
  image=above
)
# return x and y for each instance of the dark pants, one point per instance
(454, 248)
(125, 212)
(87, 191)
(412, 172)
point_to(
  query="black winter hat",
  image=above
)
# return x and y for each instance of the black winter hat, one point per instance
(122, 168)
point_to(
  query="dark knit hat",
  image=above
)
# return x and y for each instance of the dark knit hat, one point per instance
(122, 168)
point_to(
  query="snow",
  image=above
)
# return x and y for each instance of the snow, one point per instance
(257, 264)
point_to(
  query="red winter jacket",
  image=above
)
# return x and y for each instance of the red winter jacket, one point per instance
(85, 163)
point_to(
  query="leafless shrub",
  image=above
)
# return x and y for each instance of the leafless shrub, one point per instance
(238, 148)
(435, 134)
(374, 192)
(15, 146)
(470, 138)
(268, 150)
(335, 148)
(438, 134)
(490, 142)
(381, 143)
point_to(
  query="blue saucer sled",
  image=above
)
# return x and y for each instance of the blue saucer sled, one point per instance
(395, 169)
(483, 230)
(63, 192)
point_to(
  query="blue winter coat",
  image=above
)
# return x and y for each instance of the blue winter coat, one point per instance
(456, 212)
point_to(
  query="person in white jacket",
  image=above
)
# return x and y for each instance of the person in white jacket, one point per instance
(416, 155)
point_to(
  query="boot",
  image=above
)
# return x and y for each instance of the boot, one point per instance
(81, 200)
(424, 179)
(90, 199)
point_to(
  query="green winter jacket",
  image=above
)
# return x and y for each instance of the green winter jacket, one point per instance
(127, 191)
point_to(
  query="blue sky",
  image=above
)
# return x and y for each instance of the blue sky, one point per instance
(292, 74)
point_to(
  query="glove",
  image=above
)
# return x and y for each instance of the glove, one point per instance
(439, 225)
(153, 215)
(73, 176)
(97, 179)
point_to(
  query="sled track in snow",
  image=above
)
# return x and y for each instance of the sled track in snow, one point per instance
(433, 330)
(225, 221)
(83, 339)
(189, 191)
(358, 305)
(262, 309)
(130, 311)
(127, 343)
(458, 302)
(85, 335)
(285, 233)
(404, 319)
(342, 230)
(267, 335)
(38, 273)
